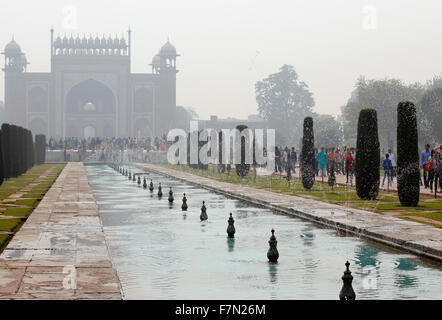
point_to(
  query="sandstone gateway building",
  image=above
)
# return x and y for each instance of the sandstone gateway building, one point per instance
(90, 90)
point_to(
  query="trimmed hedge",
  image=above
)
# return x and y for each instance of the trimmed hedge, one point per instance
(2, 161)
(16, 151)
(7, 156)
(242, 168)
(40, 148)
(407, 155)
(308, 155)
(367, 155)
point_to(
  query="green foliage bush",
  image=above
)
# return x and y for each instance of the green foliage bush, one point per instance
(242, 168)
(40, 148)
(7, 156)
(407, 154)
(367, 155)
(308, 155)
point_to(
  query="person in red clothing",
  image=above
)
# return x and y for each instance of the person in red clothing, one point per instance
(349, 165)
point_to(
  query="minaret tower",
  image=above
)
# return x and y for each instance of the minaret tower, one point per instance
(15, 65)
(165, 67)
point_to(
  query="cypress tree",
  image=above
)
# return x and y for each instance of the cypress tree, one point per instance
(23, 153)
(14, 149)
(242, 168)
(367, 155)
(40, 148)
(7, 155)
(200, 145)
(221, 165)
(32, 149)
(28, 150)
(308, 155)
(407, 154)
(2, 161)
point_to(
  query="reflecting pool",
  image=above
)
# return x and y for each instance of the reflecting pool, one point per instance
(160, 252)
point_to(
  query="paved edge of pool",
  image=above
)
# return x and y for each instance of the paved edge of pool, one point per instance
(60, 252)
(420, 239)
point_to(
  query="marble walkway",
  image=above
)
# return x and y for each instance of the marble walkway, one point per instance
(417, 238)
(60, 252)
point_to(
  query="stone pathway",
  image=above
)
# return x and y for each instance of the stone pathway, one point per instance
(406, 235)
(60, 252)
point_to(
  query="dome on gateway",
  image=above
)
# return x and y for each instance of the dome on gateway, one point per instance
(156, 61)
(168, 49)
(12, 47)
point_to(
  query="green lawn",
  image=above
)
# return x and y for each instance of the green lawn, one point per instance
(9, 224)
(387, 202)
(23, 206)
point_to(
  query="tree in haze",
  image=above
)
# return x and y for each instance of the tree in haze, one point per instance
(328, 131)
(429, 117)
(383, 96)
(284, 101)
(434, 83)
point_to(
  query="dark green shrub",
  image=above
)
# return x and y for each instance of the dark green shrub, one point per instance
(7, 155)
(221, 165)
(40, 148)
(15, 150)
(22, 150)
(242, 168)
(308, 155)
(2, 161)
(29, 144)
(367, 155)
(407, 154)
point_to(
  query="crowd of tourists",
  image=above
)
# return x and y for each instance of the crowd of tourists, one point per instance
(431, 163)
(97, 143)
(343, 162)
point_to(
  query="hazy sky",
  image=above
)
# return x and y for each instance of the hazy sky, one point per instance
(228, 45)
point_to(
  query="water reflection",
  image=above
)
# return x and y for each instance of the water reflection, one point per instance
(307, 236)
(406, 264)
(230, 244)
(366, 256)
(406, 281)
(273, 272)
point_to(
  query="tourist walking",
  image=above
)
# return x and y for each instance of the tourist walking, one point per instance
(294, 158)
(386, 163)
(322, 161)
(431, 168)
(438, 168)
(393, 163)
(331, 159)
(425, 158)
(349, 166)
(339, 168)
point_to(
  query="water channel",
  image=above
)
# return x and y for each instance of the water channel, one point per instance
(161, 253)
